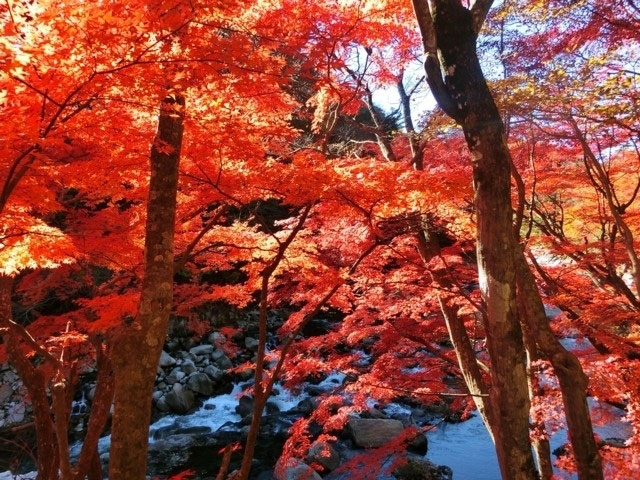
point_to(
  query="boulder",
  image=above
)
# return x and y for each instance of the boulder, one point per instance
(373, 432)
(188, 367)
(202, 350)
(5, 393)
(214, 373)
(251, 343)
(200, 383)
(245, 406)
(223, 362)
(297, 470)
(166, 360)
(419, 445)
(420, 469)
(324, 455)
(179, 399)
(216, 339)
(175, 376)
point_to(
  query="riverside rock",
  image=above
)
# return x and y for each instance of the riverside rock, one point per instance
(166, 360)
(373, 432)
(325, 455)
(200, 383)
(179, 399)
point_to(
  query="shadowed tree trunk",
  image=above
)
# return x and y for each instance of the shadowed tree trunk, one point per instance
(137, 351)
(449, 32)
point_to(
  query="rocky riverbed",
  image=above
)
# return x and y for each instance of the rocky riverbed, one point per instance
(200, 405)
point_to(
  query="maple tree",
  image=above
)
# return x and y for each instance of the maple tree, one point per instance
(271, 105)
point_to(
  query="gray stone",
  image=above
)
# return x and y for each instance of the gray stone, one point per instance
(217, 354)
(188, 367)
(217, 339)
(157, 396)
(175, 376)
(373, 432)
(214, 373)
(202, 350)
(251, 343)
(166, 360)
(297, 470)
(179, 399)
(5, 393)
(245, 406)
(325, 455)
(224, 363)
(162, 404)
(200, 383)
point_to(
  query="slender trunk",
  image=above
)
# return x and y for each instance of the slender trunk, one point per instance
(607, 189)
(414, 145)
(573, 381)
(540, 441)
(35, 382)
(468, 364)
(137, 351)
(383, 141)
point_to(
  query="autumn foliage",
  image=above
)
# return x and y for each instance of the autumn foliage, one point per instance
(300, 190)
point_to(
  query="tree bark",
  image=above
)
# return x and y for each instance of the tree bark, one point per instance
(573, 381)
(414, 144)
(465, 96)
(137, 350)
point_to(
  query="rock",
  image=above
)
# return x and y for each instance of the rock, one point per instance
(202, 350)
(179, 399)
(200, 383)
(375, 413)
(91, 393)
(272, 408)
(223, 362)
(306, 406)
(166, 360)
(325, 455)
(175, 376)
(297, 470)
(217, 355)
(214, 373)
(245, 406)
(251, 343)
(162, 404)
(5, 393)
(420, 469)
(373, 432)
(217, 339)
(419, 445)
(15, 414)
(210, 406)
(188, 367)
(157, 396)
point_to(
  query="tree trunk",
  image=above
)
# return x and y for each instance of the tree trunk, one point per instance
(414, 144)
(35, 382)
(137, 351)
(573, 381)
(466, 98)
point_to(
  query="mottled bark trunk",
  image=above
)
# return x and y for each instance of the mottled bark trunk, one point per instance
(540, 442)
(449, 30)
(137, 351)
(573, 381)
